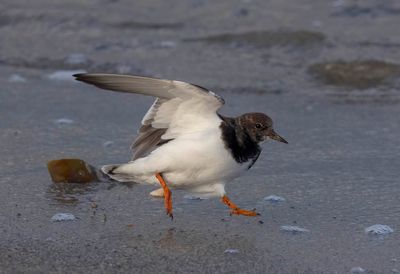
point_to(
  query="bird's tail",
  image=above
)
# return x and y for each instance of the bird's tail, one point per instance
(117, 172)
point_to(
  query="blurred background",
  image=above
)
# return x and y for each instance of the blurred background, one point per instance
(327, 72)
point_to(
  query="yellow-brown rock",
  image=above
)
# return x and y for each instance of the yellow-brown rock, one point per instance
(71, 171)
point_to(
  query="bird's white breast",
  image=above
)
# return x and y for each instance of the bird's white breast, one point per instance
(195, 159)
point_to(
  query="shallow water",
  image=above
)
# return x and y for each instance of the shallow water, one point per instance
(339, 174)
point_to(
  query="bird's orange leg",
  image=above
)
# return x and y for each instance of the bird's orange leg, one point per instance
(236, 210)
(167, 195)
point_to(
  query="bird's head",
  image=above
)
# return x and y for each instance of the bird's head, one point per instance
(259, 127)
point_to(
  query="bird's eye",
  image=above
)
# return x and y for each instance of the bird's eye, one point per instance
(258, 125)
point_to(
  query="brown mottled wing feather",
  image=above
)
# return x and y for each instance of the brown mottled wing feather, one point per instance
(148, 137)
(147, 140)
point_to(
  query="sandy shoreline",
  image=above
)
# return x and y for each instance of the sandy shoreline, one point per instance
(338, 175)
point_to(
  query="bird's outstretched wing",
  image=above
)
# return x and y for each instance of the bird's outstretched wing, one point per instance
(179, 108)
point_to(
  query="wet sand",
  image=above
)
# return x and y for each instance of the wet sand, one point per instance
(338, 175)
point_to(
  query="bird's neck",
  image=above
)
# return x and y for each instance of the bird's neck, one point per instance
(237, 141)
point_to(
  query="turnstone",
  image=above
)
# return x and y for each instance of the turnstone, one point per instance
(184, 142)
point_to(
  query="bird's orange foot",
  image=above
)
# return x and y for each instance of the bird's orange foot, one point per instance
(236, 210)
(167, 195)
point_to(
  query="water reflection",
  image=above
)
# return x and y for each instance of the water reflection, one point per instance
(68, 194)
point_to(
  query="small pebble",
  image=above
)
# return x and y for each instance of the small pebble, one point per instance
(379, 229)
(193, 197)
(231, 251)
(61, 217)
(357, 269)
(64, 121)
(274, 199)
(293, 229)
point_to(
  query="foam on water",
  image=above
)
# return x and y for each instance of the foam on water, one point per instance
(108, 143)
(124, 69)
(16, 78)
(167, 44)
(338, 3)
(76, 58)
(64, 75)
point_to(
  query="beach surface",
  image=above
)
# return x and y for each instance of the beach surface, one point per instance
(326, 72)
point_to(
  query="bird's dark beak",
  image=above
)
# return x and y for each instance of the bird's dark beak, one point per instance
(275, 136)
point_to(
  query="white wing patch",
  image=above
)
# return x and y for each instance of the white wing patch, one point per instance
(180, 108)
(148, 117)
(165, 113)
